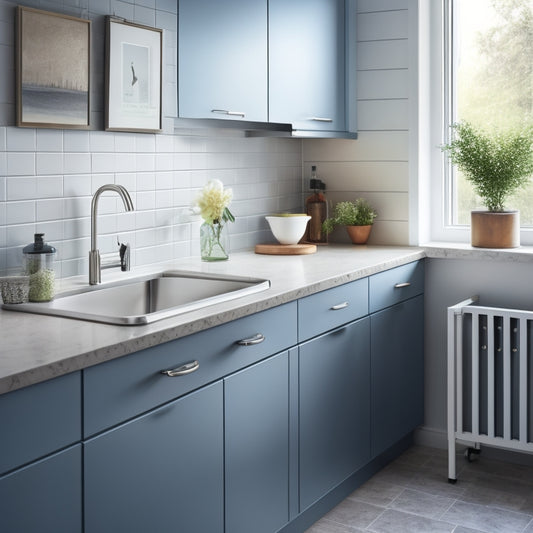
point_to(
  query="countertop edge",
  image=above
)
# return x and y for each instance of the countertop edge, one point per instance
(136, 338)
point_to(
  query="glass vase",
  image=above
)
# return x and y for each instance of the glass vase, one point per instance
(214, 242)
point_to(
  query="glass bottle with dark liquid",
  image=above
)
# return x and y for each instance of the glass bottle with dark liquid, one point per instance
(317, 208)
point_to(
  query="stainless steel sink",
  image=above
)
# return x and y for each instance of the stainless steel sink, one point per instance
(146, 300)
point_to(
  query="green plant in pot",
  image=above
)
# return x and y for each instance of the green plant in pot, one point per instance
(357, 216)
(497, 166)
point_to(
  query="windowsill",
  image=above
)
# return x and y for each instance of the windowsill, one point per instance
(456, 250)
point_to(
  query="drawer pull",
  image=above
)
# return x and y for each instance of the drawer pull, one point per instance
(343, 305)
(228, 112)
(402, 285)
(256, 339)
(182, 370)
(322, 119)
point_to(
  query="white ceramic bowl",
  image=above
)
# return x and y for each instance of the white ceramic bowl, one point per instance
(288, 229)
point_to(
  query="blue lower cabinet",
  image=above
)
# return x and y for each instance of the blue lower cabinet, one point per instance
(44, 497)
(334, 408)
(256, 406)
(397, 339)
(161, 472)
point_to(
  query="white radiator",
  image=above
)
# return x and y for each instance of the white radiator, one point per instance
(490, 379)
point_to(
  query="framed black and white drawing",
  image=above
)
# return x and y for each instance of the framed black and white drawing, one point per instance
(53, 64)
(133, 77)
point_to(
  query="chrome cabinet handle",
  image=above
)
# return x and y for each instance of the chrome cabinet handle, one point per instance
(182, 370)
(321, 119)
(256, 339)
(343, 305)
(402, 285)
(228, 112)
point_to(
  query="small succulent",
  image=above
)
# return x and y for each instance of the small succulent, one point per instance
(358, 213)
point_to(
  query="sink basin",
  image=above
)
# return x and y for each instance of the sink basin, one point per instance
(146, 300)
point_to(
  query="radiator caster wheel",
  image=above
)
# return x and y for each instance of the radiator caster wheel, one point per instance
(469, 452)
(452, 481)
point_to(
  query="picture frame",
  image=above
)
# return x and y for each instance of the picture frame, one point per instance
(52, 70)
(133, 77)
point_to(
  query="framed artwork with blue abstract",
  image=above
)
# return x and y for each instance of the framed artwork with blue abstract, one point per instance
(53, 70)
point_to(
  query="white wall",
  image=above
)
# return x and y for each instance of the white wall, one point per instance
(47, 177)
(449, 281)
(376, 165)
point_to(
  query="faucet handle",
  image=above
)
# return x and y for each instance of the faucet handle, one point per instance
(124, 252)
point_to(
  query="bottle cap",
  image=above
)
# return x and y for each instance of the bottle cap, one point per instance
(38, 246)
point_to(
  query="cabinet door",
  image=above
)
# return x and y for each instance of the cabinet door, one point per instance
(334, 409)
(44, 497)
(161, 472)
(257, 447)
(307, 63)
(397, 341)
(223, 59)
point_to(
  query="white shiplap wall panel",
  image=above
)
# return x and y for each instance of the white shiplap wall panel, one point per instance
(368, 6)
(392, 206)
(382, 115)
(365, 176)
(370, 146)
(382, 84)
(377, 55)
(395, 233)
(384, 25)
(376, 165)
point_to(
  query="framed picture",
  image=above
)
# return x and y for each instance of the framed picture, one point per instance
(53, 63)
(133, 77)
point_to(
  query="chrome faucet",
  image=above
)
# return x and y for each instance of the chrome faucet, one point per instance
(95, 275)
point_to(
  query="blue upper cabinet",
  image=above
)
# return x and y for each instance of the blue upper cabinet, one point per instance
(311, 65)
(223, 59)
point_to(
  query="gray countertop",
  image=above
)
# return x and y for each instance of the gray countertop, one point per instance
(35, 348)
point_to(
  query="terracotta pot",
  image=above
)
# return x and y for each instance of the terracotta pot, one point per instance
(359, 234)
(492, 229)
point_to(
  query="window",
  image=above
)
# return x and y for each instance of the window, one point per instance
(488, 81)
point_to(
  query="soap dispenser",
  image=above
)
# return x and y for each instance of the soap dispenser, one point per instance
(38, 259)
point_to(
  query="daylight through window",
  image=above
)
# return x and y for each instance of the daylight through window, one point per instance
(491, 48)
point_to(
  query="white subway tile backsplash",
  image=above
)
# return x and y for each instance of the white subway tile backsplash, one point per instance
(163, 177)
(144, 219)
(145, 162)
(49, 140)
(2, 139)
(145, 181)
(145, 143)
(77, 185)
(145, 200)
(20, 212)
(74, 228)
(49, 186)
(48, 163)
(20, 140)
(124, 142)
(101, 141)
(76, 163)
(20, 164)
(49, 209)
(21, 188)
(76, 141)
(101, 163)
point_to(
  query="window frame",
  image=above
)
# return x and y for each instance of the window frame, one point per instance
(442, 33)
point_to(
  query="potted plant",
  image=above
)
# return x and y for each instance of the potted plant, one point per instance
(357, 216)
(497, 166)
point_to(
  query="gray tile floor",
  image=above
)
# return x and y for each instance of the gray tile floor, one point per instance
(412, 495)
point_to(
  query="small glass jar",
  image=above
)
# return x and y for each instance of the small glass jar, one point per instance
(39, 266)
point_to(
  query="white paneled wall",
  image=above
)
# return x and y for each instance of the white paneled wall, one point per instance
(48, 177)
(376, 165)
